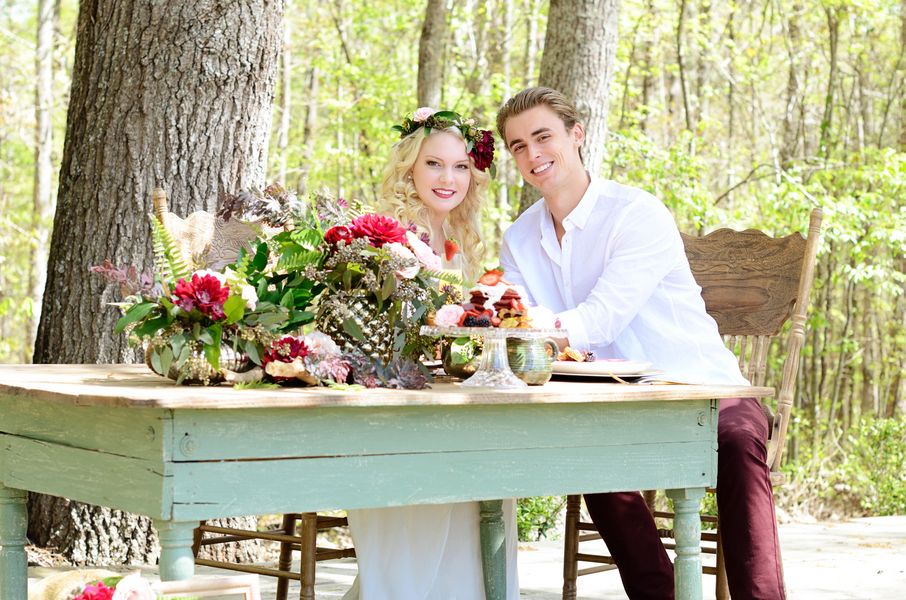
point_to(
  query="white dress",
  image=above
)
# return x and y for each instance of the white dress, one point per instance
(425, 552)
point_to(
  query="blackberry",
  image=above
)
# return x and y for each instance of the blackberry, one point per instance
(481, 321)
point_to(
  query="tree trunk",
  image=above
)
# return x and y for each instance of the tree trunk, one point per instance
(579, 54)
(42, 197)
(176, 94)
(431, 53)
(286, 93)
(833, 29)
(789, 145)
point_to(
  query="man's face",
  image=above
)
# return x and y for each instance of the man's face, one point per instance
(546, 153)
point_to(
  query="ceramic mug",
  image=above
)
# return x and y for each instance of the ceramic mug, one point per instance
(532, 360)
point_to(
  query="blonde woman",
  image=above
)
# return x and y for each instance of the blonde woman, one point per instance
(436, 180)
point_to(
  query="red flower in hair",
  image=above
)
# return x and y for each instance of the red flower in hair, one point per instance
(337, 234)
(483, 151)
(378, 229)
(204, 293)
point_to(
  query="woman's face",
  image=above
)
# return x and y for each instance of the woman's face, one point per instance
(441, 173)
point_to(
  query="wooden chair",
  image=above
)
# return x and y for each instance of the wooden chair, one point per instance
(752, 284)
(297, 532)
(206, 241)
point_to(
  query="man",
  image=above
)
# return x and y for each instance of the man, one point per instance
(609, 260)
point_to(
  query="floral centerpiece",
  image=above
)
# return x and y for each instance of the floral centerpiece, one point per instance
(365, 280)
(194, 324)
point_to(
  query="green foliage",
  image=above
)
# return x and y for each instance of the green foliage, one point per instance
(873, 470)
(537, 517)
(167, 258)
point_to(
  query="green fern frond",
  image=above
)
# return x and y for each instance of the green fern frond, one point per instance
(170, 265)
(242, 265)
(446, 277)
(297, 260)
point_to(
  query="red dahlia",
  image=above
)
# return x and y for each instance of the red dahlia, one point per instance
(337, 234)
(204, 293)
(378, 229)
(286, 349)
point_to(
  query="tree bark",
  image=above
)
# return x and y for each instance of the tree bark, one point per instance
(176, 94)
(431, 53)
(579, 55)
(42, 196)
(789, 145)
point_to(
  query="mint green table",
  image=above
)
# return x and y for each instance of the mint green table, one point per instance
(119, 436)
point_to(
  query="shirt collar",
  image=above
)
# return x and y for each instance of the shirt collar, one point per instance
(578, 217)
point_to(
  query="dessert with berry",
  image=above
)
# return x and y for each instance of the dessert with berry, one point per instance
(495, 302)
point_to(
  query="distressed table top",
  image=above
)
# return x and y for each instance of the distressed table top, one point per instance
(136, 386)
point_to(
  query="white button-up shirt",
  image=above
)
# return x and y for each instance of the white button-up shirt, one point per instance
(620, 283)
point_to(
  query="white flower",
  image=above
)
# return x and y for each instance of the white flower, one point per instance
(320, 345)
(448, 315)
(248, 292)
(423, 252)
(133, 587)
(421, 115)
(541, 317)
(222, 278)
(400, 251)
(250, 296)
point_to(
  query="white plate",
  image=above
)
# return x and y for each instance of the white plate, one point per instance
(602, 368)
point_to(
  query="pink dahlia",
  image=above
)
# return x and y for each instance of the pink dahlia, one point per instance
(378, 229)
(96, 591)
(203, 292)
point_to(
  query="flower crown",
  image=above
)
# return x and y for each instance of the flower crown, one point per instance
(479, 142)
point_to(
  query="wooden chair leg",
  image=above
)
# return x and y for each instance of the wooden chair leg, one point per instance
(571, 548)
(721, 588)
(309, 543)
(196, 539)
(285, 562)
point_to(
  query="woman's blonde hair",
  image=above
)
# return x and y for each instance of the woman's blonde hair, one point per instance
(399, 199)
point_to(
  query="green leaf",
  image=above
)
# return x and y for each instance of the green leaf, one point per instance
(152, 326)
(251, 350)
(288, 299)
(353, 329)
(178, 342)
(445, 115)
(155, 363)
(166, 359)
(389, 287)
(136, 313)
(234, 309)
(212, 350)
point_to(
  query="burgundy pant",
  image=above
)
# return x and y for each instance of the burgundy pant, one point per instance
(746, 505)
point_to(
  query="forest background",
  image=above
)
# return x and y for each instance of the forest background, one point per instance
(741, 114)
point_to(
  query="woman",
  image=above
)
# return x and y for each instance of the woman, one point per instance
(432, 552)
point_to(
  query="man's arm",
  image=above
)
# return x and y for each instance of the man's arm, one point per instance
(647, 248)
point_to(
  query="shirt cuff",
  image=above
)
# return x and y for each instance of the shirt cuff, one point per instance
(572, 322)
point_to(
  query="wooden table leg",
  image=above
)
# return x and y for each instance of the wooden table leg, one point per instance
(176, 559)
(687, 568)
(493, 548)
(13, 526)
